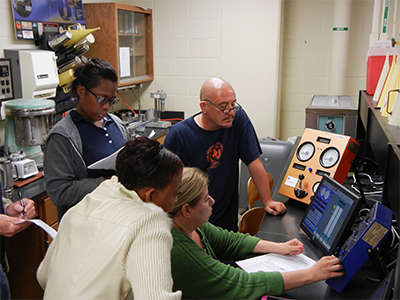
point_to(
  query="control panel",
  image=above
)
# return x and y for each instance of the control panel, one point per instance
(319, 153)
(368, 235)
(6, 90)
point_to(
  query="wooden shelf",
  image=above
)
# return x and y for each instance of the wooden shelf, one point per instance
(129, 35)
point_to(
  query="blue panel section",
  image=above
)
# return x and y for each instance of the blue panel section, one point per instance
(369, 235)
(333, 124)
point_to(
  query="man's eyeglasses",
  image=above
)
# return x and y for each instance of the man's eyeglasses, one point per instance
(103, 100)
(226, 110)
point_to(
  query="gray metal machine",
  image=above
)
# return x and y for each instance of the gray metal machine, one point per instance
(332, 113)
(34, 73)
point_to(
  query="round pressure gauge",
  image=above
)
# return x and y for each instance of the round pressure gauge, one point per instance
(305, 151)
(329, 157)
(315, 186)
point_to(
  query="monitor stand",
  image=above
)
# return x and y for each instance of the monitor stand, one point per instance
(379, 266)
(384, 289)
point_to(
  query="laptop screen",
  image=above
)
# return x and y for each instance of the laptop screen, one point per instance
(330, 215)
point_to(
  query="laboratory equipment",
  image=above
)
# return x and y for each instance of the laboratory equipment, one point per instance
(332, 113)
(34, 73)
(319, 153)
(22, 167)
(6, 89)
(6, 177)
(34, 77)
(362, 243)
(27, 124)
(159, 106)
(330, 215)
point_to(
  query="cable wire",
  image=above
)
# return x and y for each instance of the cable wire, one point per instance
(127, 103)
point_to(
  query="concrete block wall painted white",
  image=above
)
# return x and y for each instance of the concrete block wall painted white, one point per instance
(307, 35)
(198, 39)
(250, 58)
(232, 39)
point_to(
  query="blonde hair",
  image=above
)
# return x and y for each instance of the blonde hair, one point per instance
(194, 182)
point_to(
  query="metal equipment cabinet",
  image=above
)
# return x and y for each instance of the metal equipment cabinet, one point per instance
(125, 39)
(332, 113)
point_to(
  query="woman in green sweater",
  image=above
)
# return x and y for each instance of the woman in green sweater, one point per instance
(199, 246)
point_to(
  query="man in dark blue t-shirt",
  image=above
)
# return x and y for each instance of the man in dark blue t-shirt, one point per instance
(214, 140)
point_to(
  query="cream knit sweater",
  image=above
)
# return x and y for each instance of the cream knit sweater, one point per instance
(111, 245)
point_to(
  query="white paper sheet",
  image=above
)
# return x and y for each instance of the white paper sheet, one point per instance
(276, 262)
(124, 62)
(106, 163)
(152, 133)
(50, 231)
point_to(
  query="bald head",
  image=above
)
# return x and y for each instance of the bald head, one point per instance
(214, 87)
(216, 95)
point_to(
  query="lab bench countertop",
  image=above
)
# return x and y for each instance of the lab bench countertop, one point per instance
(34, 190)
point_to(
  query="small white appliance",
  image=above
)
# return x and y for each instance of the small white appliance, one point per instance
(22, 167)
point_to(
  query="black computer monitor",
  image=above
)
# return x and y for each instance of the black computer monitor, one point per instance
(330, 215)
(396, 284)
(391, 189)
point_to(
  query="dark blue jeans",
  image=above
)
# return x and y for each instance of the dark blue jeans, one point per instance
(4, 288)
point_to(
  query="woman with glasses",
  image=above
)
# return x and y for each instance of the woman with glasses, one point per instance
(84, 136)
(199, 246)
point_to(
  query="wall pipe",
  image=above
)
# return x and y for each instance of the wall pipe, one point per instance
(376, 16)
(384, 36)
(394, 19)
(340, 40)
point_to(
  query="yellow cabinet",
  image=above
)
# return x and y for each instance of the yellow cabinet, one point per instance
(125, 39)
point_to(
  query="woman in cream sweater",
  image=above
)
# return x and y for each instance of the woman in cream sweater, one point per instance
(116, 242)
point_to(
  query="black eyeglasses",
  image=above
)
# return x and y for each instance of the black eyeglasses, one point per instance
(103, 100)
(226, 110)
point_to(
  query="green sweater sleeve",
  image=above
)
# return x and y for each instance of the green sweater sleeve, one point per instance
(227, 245)
(199, 275)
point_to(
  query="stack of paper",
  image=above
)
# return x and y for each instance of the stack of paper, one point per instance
(276, 262)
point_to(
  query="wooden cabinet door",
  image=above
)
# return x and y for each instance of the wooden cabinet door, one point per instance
(125, 39)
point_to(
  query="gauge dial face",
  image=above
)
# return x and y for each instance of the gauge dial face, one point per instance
(329, 157)
(305, 151)
(315, 186)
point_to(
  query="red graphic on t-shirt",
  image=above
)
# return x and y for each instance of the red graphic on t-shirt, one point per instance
(214, 154)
